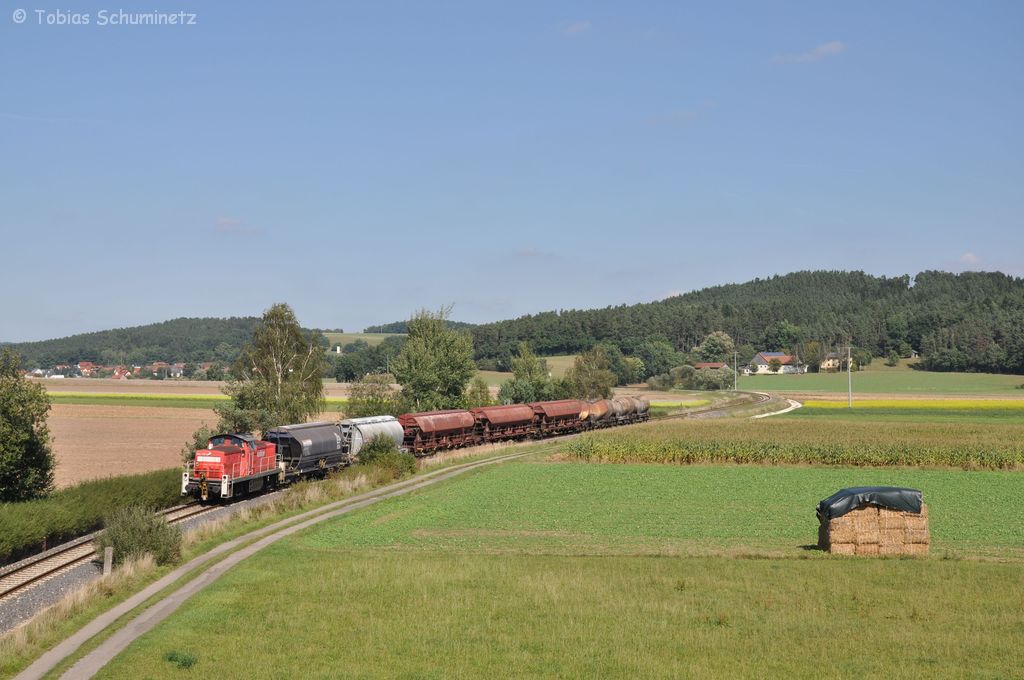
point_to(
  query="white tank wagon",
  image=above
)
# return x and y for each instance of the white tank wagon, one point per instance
(357, 432)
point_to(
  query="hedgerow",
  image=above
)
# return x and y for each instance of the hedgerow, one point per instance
(68, 513)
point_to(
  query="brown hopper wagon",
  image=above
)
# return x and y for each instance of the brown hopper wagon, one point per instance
(565, 415)
(496, 423)
(434, 430)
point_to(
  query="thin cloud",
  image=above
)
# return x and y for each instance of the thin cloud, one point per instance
(823, 51)
(970, 258)
(232, 226)
(578, 27)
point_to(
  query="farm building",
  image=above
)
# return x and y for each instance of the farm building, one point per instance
(762, 363)
(833, 361)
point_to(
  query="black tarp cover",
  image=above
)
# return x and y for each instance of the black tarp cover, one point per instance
(892, 497)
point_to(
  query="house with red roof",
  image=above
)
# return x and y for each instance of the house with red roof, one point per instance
(763, 362)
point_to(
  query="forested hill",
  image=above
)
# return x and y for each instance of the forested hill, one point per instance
(403, 327)
(185, 340)
(970, 321)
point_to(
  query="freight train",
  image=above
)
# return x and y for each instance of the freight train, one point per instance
(238, 464)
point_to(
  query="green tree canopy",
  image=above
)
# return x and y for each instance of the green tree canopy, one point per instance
(531, 380)
(590, 376)
(717, 346)
(277, 378)
(479, 394)
(26, 461)
(435, 364)
(374, 395)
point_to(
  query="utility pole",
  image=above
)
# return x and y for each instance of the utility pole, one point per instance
(849, 377)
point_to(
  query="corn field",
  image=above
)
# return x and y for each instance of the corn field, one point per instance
(797, 442)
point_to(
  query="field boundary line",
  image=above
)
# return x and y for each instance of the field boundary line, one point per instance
(270, 534)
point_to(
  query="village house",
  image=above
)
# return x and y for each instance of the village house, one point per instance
(762, 363)
(87, 368)
(833, 361)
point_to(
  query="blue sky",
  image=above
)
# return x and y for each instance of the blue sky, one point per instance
(363, 160)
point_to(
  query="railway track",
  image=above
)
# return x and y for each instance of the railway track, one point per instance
(74, 553)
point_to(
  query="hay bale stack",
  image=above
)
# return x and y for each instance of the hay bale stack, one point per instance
(873, 529)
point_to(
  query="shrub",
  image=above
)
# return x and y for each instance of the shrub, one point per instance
(31, 526)
(181, 659)
(135, 531)
(382, 452)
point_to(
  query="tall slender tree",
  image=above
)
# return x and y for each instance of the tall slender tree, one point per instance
(277, 378)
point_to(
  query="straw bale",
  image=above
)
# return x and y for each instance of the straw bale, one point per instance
(866, 549)
(915, 548)
(867, 536)
(917, 536)
(892, 549)
(890, 522)
(843, 549)
(891, 537)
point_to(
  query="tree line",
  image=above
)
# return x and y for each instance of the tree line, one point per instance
(972, 321)
(188, 340)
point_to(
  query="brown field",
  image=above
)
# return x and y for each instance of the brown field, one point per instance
(130, 387)
(101, 441)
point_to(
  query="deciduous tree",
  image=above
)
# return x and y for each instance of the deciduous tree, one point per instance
(277, 378)
(435, 364)
(26, 461)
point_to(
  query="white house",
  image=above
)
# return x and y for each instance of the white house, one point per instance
(761, 363)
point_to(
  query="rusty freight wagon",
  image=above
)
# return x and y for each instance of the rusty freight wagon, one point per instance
(434, 430)
(564, 415)
(497, 423)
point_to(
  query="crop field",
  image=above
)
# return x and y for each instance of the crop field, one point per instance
(883, 380)
(567, 570)
(80, 387)
(369, 338)
(90, 442)
(333, 404)
(791, 440)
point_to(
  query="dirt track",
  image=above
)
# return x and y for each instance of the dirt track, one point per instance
(100, 441)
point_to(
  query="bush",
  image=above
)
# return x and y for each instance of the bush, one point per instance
(382, 452)
(135, 531)
(31, 526)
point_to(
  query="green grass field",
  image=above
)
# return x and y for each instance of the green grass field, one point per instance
(370, 338)
(557, 365)
(571, 570)
(993, 411)
(885, 380)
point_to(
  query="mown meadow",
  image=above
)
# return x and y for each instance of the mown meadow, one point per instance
(548, 569)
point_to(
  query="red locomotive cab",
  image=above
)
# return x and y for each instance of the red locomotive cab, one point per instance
(228, 459)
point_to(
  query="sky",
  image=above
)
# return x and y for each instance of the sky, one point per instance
(363, 160)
